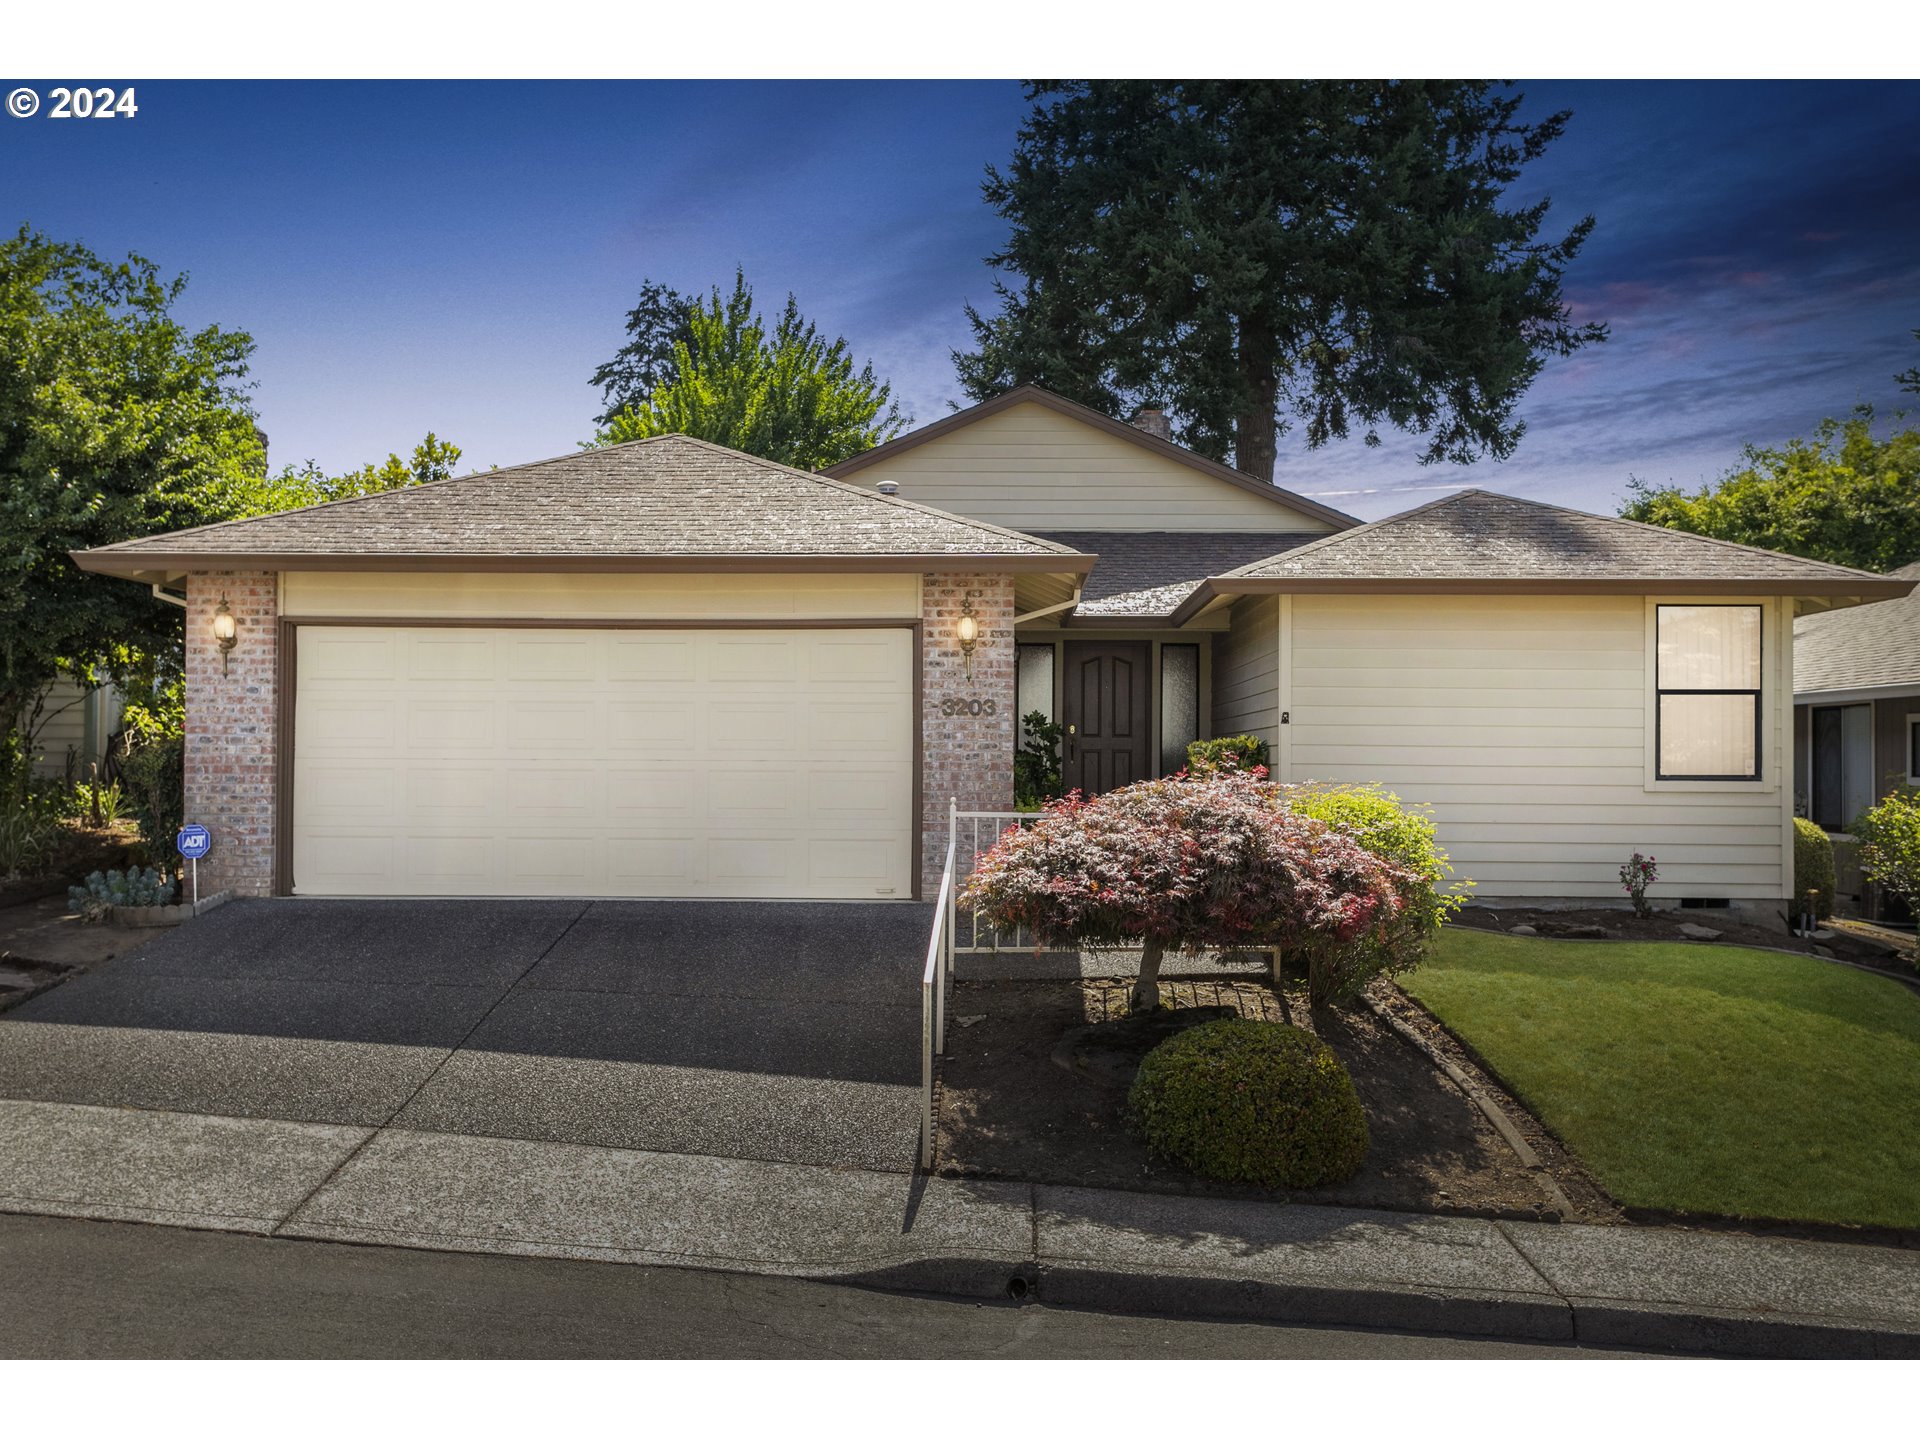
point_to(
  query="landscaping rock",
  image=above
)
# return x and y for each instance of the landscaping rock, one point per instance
(1523, 930)
(1700, 932)
(1585, 932)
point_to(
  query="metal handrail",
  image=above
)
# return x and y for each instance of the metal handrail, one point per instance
(935, 978)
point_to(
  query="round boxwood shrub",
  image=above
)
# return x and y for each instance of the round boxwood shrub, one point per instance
(1812, 870)
(1247, 1100)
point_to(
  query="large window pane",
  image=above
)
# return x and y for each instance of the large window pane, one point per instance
(1709, 647)
(1709, 736)
(1179, 704)
(1033, 683)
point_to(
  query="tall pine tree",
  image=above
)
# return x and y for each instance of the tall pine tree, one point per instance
(1253, 254)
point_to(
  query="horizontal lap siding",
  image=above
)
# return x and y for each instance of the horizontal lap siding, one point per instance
(1523, 724)
(1246, 666)
(1031, 468)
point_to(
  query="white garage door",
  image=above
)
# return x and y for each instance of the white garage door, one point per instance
(461, 761)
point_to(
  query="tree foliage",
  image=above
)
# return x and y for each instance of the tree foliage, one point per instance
(116, 420)
(432, 459)
(784, 392)
(1844, 496)
(1256, 253)
(656, 326)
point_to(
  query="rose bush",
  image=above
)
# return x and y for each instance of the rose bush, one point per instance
(1193, 864)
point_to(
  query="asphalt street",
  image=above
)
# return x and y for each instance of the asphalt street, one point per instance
(93, 1289)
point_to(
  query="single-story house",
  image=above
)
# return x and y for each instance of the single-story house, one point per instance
(669, 669)
(70, 728)
(1856, 710)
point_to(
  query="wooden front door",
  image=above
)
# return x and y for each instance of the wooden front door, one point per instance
(1104, 707)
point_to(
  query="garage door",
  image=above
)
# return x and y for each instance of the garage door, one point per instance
(465, 761)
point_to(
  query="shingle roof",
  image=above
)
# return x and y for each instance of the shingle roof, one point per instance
(1145, 574)
(1476, 540)
(670, 496)
(1862, 648)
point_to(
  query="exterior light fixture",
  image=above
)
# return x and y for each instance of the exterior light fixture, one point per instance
(226, 632)
(967, 631)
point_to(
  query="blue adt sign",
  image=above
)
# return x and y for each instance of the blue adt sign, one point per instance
(193, 841)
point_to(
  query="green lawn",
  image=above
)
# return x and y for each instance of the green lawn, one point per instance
(1692, 1077)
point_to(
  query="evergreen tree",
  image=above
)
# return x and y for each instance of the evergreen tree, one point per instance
(1254, 253)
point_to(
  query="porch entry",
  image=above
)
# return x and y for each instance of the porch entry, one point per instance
(1104, 707)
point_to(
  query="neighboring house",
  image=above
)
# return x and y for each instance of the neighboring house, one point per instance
(666, 668)
(69, 729)
(1856, 714)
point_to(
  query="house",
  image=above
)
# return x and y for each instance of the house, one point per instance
(1856, 712)
(666, 668)
(70, 727)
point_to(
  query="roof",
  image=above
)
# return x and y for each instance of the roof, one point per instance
(1869, 647)
(1145, 574)
(1132, 434)
(1476, 540)
(668, 502)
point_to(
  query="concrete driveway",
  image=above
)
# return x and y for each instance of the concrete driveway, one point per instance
(780, 1031)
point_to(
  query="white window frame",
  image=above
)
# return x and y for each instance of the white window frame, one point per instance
(1773, 664)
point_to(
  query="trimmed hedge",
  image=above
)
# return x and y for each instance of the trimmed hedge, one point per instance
(1251, 1101)
(1812, 868)
(1228, 752)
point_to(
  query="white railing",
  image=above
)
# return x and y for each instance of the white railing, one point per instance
(968, 841)
(935, 981)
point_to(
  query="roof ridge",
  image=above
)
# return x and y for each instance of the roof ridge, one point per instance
(1326, 541)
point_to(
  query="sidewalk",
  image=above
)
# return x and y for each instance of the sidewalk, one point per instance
(1095, 1249)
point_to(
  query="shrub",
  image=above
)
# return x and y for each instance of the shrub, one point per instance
(1404, 836)
(1812, 870)
(105, 889)
(1889, 836)
(154, 776)
(1636, 875)
(1246, 1100)
(28, 837)
(1187, 865)
(1229, 752)
(1036, 764)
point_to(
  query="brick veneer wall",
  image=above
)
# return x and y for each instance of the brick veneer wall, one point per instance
(231, 761)
(964, 754)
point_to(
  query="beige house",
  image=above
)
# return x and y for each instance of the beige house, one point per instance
(666, 668)
(70, 727)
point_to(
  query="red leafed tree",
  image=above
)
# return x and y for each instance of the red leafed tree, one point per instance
(1190, 865)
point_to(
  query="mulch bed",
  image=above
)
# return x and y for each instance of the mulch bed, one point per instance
(1036, 1089)
(78, 854)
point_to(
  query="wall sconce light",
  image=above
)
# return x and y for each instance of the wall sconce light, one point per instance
(226, 632)
(967, 631)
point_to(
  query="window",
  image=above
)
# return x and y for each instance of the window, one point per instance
(1913, 749)
(1707, 684)
(1179, 704)
(1033, 685)
(1841, 778)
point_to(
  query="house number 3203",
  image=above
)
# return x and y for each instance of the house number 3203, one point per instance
(954, 707)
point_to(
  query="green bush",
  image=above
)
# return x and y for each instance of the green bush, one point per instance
(1228, 752)
(1812, 868)
(154, 777)
(1401, 835)
(1889, 836)
(1245, 1100)
(28, 837)
(1036, 764)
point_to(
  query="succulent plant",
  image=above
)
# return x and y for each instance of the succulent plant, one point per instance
(105, 889)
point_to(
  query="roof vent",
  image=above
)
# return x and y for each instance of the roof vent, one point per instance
(1153, 420)
(888, 487)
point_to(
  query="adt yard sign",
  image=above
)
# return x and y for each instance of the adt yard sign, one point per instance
(192, 842)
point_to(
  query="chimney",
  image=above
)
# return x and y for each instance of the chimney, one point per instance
(1153, 420)
(888, 487)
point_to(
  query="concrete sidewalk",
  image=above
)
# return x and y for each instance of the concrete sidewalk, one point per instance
(1095, 1249)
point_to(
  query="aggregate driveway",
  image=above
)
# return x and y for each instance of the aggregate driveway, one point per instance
(763, 1030)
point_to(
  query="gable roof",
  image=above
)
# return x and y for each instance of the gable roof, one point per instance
(1132, 434)
(668, 502)
(1476, 540)
(1870, 647)
(1143, 575)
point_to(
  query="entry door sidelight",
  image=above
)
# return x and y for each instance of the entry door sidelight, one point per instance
(1105, 708)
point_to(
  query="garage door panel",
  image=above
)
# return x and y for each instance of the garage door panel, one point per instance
(516, 761)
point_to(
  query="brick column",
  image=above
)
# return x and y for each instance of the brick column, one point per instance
(969, 752)
(232, 760)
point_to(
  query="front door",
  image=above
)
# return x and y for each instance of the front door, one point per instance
(1104, 707)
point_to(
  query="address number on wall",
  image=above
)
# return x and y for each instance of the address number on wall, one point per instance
(955, 707)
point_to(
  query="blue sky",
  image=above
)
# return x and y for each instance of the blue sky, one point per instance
(459, 256)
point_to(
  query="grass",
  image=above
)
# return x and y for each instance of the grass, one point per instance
(1694, 1077)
